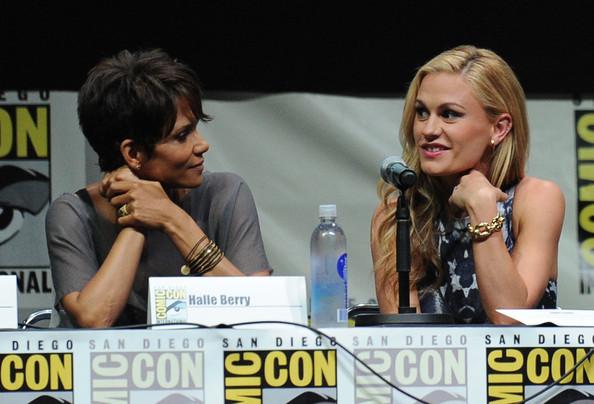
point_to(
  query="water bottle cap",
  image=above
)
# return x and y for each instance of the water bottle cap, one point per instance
(327, 211)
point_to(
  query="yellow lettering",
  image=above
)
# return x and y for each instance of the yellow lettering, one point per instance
(5, 133)
(585, 127)
(11, 378)
(325, 367)
(61, 371)
(36, 133)
(506, 394)
(536, 361)
(586, 171)
(585, 153)
(276, 361)
(244, 396)
(587, 193)
(585, 368)
(505, 366)
(254, 363)
(562, 356)
(587, 250)
(300, 360)
(242, 381)
(37, 372)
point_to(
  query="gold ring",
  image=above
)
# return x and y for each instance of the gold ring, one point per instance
(123, 210)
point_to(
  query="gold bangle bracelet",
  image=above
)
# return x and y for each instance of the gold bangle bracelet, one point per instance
(193, 250)
(186, 268)
(203, 261)
(213, 262)
(484, 229)
(202, 256)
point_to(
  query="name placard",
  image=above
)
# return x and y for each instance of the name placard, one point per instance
(8, 301)
(217, 300)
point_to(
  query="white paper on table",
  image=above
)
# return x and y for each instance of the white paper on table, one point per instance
(8, 301)
(560, 317)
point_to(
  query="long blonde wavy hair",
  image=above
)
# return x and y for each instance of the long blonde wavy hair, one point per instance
(498, 90)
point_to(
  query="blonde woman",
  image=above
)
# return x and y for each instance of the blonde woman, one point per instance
(484, 235)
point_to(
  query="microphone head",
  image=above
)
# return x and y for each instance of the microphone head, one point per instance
(385, 170)
(394, 171)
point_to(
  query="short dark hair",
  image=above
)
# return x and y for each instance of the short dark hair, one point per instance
(134, 95)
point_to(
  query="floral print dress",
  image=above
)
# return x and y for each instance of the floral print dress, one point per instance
(459, 294)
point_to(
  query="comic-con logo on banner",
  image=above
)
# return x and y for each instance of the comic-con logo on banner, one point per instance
(171, 305)
(36, 378)
(24, 197)
(147, 377)
(584, 127)
(516, 373)
(281, 376)
(434, 375)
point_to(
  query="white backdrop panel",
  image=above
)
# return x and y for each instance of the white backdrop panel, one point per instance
(298, 150)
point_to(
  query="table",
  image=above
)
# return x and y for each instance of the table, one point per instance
(453, 364)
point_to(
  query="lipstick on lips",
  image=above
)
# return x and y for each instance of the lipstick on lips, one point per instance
(433, 150)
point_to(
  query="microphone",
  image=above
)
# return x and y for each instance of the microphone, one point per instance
(394, 171)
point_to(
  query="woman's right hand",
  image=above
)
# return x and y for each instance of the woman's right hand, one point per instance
(121, 174)
(147, 203)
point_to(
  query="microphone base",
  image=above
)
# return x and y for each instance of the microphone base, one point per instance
(393, 320)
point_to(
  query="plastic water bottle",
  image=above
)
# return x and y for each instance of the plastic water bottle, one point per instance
(328, 286)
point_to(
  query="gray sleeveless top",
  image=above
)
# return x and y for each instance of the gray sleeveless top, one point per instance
(459, 294)
(79, 239)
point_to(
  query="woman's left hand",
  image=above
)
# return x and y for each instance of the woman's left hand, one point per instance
(147, 203)
(475, 190)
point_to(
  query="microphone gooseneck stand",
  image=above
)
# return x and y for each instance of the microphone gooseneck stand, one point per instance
(406, 313)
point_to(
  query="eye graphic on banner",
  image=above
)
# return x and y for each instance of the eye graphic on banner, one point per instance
(25, 193)
(20, 191)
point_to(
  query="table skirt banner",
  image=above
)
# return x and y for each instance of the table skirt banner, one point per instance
(433, 364)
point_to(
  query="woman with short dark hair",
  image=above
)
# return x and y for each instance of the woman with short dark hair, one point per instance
(156, 212)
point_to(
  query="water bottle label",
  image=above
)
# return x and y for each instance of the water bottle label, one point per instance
(341, 266)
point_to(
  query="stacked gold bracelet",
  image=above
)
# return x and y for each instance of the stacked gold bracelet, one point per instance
(201, 260)
(483, 230)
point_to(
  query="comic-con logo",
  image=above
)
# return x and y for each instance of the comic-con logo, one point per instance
(171, 305)
(433, 375)
(24, 135)
(32, 375)
(280, 376)
(143, 377)
(584, 130)
(515, 373)
(24, 196)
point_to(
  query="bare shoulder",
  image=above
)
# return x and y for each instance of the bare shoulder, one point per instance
(535, 196)
(535, 190)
